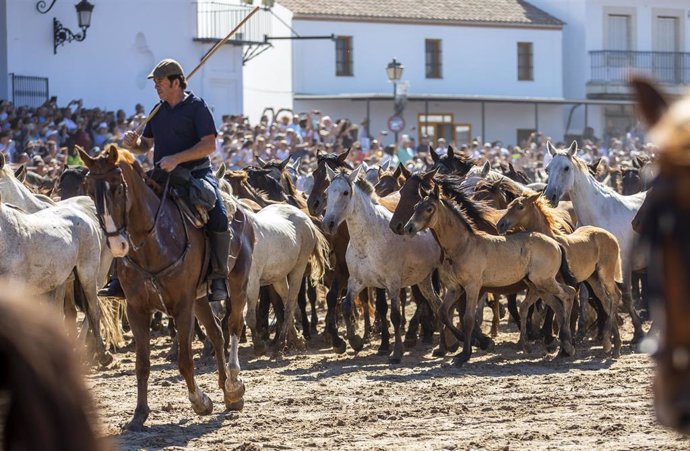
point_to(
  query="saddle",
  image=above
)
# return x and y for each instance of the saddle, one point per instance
(194, 197)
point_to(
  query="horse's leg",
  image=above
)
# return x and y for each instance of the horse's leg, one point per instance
(382, 313)
(353, 288)
(302, 304)
(403, 303)
(282, 290)
(530, 299)
(495, 309)
(174, 347)
(184, 319)
(468, 322)
(312, 294)
(396, 319)
(600, 291)
(483, 341)
(205, 315)
(513, 309)
(252, 300)
(157, 322)
(566, 295)
(413, 327)
(332, 303)
(139, 322)
(583, 321)
(364, 299)
(234, 386)
(627, 301)
(82, 278)
(70, 310)
(547, 329)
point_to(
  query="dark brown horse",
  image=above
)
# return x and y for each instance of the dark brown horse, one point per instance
(391, 181)
(663, 220)
(451, 163)
(46, 405)
(164, 264)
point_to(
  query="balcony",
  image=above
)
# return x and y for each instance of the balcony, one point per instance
(610, 70)
(216, 18)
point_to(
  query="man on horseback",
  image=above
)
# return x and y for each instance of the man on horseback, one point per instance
(183, 134)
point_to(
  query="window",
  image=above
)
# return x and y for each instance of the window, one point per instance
(525, 61)
(433, 58)
(619, 35)
(343, 56)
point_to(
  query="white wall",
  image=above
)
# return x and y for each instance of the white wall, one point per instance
(476, 60)
(126, 39)
(268, 77)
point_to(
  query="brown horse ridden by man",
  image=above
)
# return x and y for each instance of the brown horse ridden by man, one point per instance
(592, 252)
(163, 268)
(469, 263)
(663, 221)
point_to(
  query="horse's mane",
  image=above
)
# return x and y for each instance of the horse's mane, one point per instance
(124, 155)
(475, 212)
(460, 211)
(363, 184)
(555, 222)
(509, 190)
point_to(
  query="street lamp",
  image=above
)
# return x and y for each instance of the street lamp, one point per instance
(62, 34)
(395, 71)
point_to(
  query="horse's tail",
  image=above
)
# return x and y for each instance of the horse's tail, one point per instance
(567, 274)
(110, 316)
(618, 271)
(320, 256)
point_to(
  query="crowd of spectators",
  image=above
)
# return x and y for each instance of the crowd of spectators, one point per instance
(44, 139)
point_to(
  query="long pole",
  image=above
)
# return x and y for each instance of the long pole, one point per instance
(208, 55)
(395, 111)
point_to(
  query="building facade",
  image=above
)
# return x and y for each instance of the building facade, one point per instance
(125, 39)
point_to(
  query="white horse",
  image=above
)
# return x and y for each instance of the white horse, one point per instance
(599, 205)
(376, 257)
(286, 242)
(78, 209)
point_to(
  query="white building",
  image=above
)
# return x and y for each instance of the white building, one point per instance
(125, 40)
(461, 65)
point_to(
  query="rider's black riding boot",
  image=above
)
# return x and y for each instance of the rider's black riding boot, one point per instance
(220, 247)
(113, 288)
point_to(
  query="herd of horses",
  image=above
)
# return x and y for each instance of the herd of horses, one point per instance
(455, 236)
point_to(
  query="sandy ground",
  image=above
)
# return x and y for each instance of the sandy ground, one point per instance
(500, 400)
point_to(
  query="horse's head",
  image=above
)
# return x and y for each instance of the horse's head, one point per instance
(631, 180)
(72, 182)
(317, 198)
(662, 220)
(340, 192)
(424, 214)
(451, 163)
(262, 179)
(390, 181)
(106, 186)
(519, 214)
(410, 195)
(561, 172)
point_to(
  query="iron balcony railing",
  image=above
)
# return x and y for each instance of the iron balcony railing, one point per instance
(614, 66)
(216, 18)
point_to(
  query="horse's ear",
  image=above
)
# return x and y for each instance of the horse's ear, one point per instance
(429, 176)
(296, 164)
(261, 162)
(572, 149)
(220, 173)
(85, 157)
(530, 198)
(397, 171)
(651, 104)
(330, 173)
(636, 162)
(434, 155)
(352, 178)
(343, 156)
(284, 163)
(386, 165)
(2, 160)
(20, 173)
(451, 152)
(111, 154)
(319, 152)
(486, 169)
(511, 168)
(436, 191)
(404, 171)
(552, 150)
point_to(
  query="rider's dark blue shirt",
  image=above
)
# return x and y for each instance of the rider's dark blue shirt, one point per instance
(176, 129)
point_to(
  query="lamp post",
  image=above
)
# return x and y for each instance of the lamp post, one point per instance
(395, 71)
(62, 34)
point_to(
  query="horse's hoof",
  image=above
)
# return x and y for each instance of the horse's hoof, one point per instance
(616, 352)
(259, 348)
(454, 347)
(637, 338)
(357, 343)
(459, 360)
(134, 426)
(487, 345)
(204, 406)
(394, 360)
(438, 352)
(339, 347)
(551, 346)
(526, 348)
(105, 359)
(410, 342)
(383, 350)
(567, 350)
(606, 345)
(234, 395)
